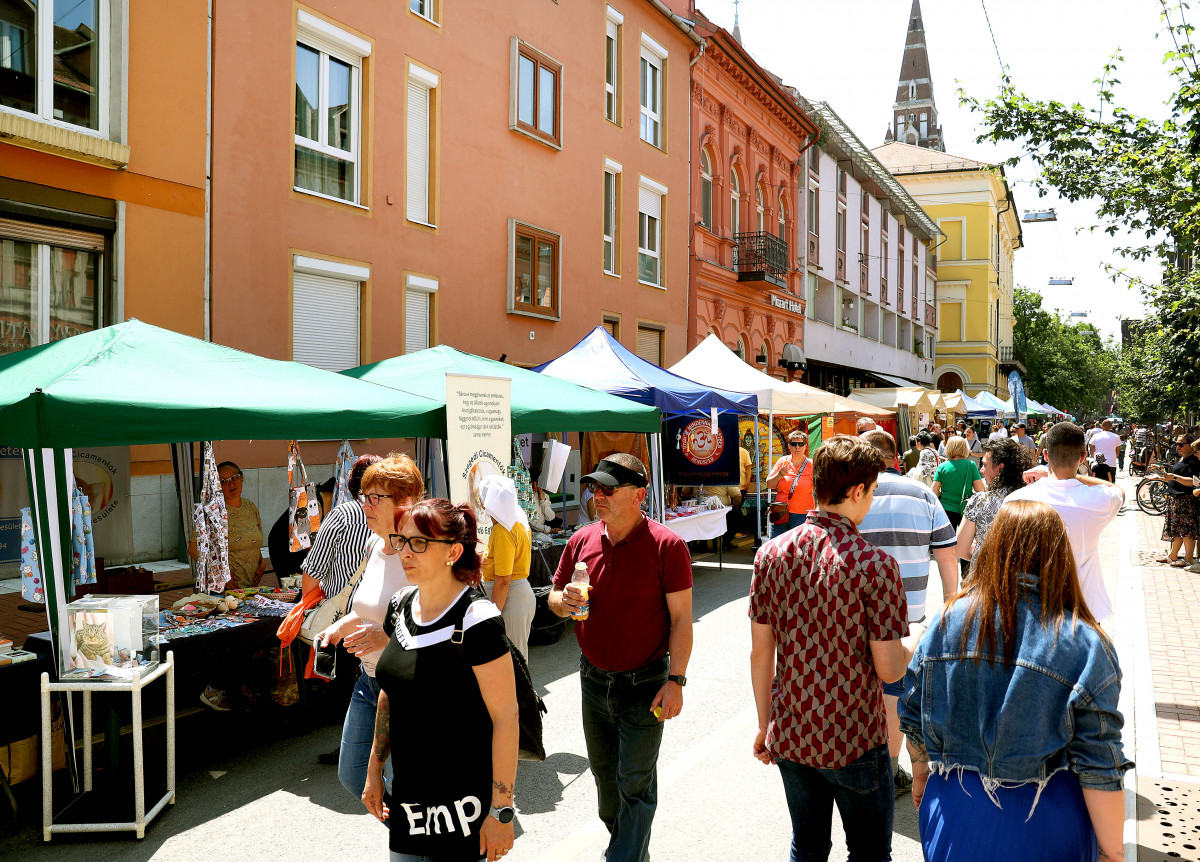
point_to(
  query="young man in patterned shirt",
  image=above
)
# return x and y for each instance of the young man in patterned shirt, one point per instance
(828, 619)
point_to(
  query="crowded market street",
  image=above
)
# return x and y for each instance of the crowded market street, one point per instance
(273, 801)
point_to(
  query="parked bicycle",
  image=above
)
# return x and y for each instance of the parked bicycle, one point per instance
(1152, 492)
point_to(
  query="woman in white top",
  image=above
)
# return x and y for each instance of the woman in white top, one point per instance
(391, 484)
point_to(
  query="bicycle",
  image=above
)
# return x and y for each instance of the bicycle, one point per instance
(1152, 495)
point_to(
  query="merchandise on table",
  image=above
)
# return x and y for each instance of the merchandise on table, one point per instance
(16, 656)
(108, 637)
(260, 606)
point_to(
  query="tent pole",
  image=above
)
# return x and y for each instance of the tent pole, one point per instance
(757, 481)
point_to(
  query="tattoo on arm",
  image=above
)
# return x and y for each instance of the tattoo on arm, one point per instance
(916, 750)
(382, 749)
(504, 789)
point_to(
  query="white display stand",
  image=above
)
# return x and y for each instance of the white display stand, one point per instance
(87, 687)
(701, 526)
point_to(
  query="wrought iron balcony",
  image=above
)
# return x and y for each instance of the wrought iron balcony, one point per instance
(762, 257)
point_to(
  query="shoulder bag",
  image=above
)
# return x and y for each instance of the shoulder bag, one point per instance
(779, 508)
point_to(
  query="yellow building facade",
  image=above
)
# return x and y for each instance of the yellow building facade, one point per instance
(973, 207)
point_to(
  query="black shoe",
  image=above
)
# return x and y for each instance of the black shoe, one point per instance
(329, 759)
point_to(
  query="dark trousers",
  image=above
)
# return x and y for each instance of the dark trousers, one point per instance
(866, 799)
(623, 737)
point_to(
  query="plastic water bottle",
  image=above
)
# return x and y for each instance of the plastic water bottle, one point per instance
(580, 579)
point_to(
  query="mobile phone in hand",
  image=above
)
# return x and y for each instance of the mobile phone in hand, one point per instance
(325, 662)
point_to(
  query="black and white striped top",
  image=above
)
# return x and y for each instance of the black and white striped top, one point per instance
(339, 547)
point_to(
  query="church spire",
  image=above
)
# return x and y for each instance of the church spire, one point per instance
(737, 30)
(914, 115)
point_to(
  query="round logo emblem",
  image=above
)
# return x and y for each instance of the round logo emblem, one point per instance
(701, 443)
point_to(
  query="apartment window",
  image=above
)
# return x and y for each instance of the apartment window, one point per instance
(535, 270)
(612, 323)
(430, 10)
(814, 159)
(612, 63)
(326, 312)
(814, 211)
(706, 184)
(51, 282)
(841, 182)
(419, 291)
(328, 108)
(841, 228)
(735, 203)
(866, 203)
(611, 171)
(653, 60)
(759, 210)
(650, 203)
(54, 56)
(422, 85)
(537, 99)
(864, 242)
(782, 218)
(650, 343)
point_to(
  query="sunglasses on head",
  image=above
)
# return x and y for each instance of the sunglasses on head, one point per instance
(605, 490)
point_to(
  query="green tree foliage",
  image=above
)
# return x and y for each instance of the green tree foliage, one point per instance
(1066, 364)
(1143, 176)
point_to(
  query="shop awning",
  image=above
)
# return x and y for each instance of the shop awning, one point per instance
(539, 402)
(896, 381)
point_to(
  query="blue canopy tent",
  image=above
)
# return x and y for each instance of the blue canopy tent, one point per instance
(1002, 407)
(976, 409)
(601, 362)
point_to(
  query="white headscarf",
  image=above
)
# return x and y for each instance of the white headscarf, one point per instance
(498, 495)
(928, 465)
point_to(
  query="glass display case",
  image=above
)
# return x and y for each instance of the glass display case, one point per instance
(109, 637)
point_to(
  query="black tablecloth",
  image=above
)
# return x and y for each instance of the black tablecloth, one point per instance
(21, 687)
(543, 563)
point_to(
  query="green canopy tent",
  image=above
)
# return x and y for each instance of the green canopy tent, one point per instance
(136, 383)
(539, 402)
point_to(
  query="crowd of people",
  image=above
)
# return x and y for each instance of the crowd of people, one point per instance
(1006, 694)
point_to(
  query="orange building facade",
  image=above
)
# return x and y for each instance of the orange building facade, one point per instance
(748, 135)
(500, 178)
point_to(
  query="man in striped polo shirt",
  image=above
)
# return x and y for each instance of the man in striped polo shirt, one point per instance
(907, 521)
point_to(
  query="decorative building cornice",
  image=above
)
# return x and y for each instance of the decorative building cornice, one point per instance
(739, 75)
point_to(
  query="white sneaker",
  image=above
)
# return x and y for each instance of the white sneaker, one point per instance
(214, 699)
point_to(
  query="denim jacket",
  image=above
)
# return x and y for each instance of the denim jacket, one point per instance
(1053, 708)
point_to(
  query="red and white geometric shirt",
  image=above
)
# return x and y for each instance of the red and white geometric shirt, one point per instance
(826, 593)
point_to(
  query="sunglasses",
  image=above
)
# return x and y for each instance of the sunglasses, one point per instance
(797, 442)
(231, 480)
(605, 490)
(419, 544)
(373, 499)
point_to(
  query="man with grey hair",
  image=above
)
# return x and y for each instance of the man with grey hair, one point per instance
(907, 521)
(635, 641)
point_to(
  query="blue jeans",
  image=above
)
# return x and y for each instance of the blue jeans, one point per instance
(623, 738)
(791, 523)
(866, 800)
(358, 732)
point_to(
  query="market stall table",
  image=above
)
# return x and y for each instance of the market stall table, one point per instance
(543, 563)
(701, 527)
(19, 682)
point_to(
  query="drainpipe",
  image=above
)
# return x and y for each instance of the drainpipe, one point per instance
(208, 184)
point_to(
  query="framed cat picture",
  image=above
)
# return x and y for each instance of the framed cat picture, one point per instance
(108, 637)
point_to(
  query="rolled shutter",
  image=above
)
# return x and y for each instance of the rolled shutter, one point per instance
(650, 202)
(649, 345)
(325, 321)
(416, 320)
(57, 236)
(418, 151)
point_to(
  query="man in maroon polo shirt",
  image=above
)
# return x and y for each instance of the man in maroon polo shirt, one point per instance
(635, 646)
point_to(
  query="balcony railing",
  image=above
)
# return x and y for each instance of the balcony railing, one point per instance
(762, 257)
(1010, 356)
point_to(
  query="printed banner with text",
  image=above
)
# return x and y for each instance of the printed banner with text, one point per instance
(478, 437)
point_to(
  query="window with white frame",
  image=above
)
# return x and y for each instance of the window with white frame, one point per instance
(430, 10)
(814, 211)
(759, 209)
(51, 283)
(783, 218)
(54, 59)
(650, 206)
(612, 63)
(328, 108)
(706, 189)
(537, 96)
(653, 61)
(419, 292)
(327, 312)
(735, 203)
(612, 172)
(841, 228)
(422, 85)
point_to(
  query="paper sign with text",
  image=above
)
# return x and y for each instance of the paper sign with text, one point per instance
(478, 437)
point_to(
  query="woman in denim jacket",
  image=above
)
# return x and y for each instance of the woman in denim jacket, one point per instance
(1010, 708)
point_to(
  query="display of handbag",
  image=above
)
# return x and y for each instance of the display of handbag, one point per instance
(304, 508)
(779, 507)
(21, 759)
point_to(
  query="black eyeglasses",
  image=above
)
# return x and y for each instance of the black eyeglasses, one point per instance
(230, 480)
(797, 442)
(419, 544)
(373, 499)
(606, 491)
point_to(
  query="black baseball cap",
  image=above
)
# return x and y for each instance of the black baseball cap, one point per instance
(612, 474)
